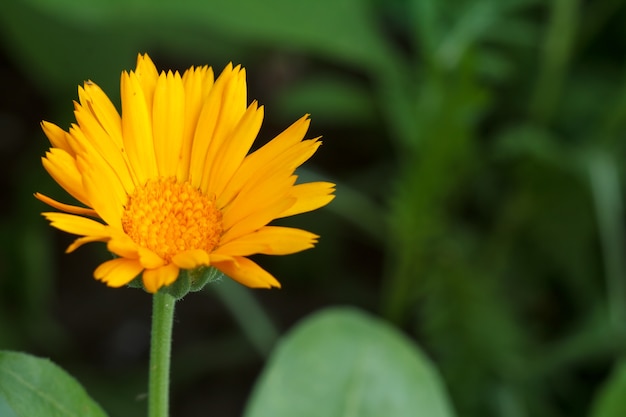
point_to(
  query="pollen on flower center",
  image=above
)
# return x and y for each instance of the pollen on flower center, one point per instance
(169, 217)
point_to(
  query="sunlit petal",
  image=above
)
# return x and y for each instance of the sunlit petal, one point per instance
(153, 279)
(310, 196)
(191, 259)
(118, 272)
(57, 137)
(137, 129)
(270, 240)
(168, 117)
(62, 168)
(81, 211)
(76, 225)
(246, 272)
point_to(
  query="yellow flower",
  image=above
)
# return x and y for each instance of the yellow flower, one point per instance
(170, 184)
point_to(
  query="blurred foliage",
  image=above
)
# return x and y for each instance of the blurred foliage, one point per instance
(477, 146)
(611, 402)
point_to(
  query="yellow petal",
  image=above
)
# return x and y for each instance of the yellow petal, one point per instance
(268, 161)
(147, 75)
(62, 168)
(153, 279)
(217, 257)
(270, 240)
(137, 129)
(149, 259)
(258, 219)
(77, 225)
(106, 194)
(118, 272)
(234, 149)
(255, 196)
(123, 246)
(57, 137)
(103, 109)
(191, 259)
(96, 144)
(82, 240)
(280, 166)
(232, 106)
(246, 272)
(82, 211)
(168, 116)
(310, 196)
(204, 133)
(290, 136)
(197, 83)
(77, 140)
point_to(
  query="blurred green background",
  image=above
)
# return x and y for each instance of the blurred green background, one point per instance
(478, 151)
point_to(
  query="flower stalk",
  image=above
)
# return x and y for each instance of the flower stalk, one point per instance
(160, 351)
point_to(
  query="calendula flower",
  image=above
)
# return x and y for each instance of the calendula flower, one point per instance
(170, 184)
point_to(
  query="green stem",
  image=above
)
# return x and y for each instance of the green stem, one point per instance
(160, 348)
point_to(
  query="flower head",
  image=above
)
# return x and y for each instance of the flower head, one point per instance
(170, 184)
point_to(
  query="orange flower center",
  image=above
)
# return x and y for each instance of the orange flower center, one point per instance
(170, 217)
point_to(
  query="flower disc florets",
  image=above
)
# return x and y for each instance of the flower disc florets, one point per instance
(168, 217)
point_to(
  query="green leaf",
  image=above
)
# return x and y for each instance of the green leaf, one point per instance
(43, 53)
(342, 362)
(355, 38)
(105, 34)
(609, 401)
(31, 386)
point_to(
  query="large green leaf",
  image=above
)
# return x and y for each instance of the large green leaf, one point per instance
(65, 41)
(31, 386)
(354, 36)
(610, 401)
(342, 362)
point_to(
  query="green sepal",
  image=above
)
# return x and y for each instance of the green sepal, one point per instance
(137, 282)
(192, 281)
(179, 288)
(188, 281)
(204, 275)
